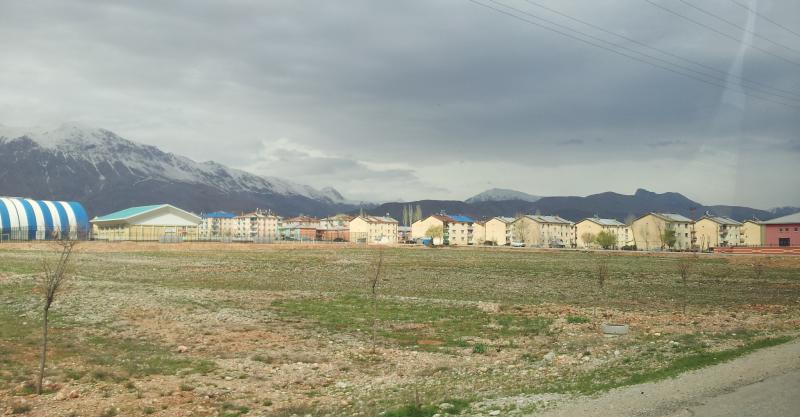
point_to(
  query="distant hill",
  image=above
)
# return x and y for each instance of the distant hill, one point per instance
(607, 205)
(107, 173)
(501, 194)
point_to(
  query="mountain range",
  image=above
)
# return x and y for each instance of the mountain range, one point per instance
(606, 205)
(106, 173)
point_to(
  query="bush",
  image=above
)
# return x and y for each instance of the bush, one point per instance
(480, 348)
(578, 319)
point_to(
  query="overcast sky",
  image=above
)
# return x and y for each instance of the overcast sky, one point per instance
(403, 100)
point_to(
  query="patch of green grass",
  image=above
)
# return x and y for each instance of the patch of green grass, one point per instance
(410, 322)
(613, 377)
(138, 358)
(413, 410)
(578, 319)
(233, 410)
(480, 348)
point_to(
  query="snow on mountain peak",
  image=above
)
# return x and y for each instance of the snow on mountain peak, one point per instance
(502, 194)
(100, 147)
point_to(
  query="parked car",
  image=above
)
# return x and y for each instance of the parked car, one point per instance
(517, 244)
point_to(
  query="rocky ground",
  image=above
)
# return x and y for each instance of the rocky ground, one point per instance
(171, 330)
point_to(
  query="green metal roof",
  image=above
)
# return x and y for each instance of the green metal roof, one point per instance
(128, 213)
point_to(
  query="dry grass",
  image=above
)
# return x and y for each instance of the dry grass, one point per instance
(278, 330)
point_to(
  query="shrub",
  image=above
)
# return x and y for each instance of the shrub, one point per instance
(480, 348)
(578, 319)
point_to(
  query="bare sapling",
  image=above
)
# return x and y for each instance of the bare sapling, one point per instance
(602, 277)
(375, 280)
(49, 284)
(758, 269)
(685, 270)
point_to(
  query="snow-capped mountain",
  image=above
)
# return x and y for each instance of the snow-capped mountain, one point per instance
(108, 172)
(502, 194)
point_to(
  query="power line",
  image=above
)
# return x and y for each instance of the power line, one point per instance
(791, 94)
(733, 38)
(610, 49)
(746, 7)
(737, 26)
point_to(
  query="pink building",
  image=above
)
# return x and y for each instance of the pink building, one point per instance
(783, 231)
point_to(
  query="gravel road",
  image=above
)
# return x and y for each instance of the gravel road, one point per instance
(764, 384)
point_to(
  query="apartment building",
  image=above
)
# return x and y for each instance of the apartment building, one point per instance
(543, 231)
(590, 227)
(649, 231)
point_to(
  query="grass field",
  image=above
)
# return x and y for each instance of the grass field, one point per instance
(295, 331)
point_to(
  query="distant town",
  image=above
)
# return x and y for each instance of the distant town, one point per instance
(24, 219)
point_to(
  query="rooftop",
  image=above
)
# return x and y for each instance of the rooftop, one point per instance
(792, 218)
(129, 212)
(605, 222)
(722, 220)
(548, 219)
(672, 217)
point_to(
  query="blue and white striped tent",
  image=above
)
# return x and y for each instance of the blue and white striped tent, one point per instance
(26, 219)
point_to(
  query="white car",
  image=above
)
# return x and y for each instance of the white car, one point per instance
(517, 244)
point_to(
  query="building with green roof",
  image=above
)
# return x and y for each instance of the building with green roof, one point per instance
(159, 222)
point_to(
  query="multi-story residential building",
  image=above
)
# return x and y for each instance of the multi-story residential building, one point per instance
(542, 231)
(590, 227)
(335, 228)
(478, 233)
(716, 231)
(752, 233)
(456, 229)
(373, 229)
(649, 231)
(217, 225)
(256, 226)
(783, 231)
(498, 230)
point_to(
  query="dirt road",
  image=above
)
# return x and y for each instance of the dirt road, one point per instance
(765, 383)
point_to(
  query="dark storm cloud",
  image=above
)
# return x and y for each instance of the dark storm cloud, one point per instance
(430, 99)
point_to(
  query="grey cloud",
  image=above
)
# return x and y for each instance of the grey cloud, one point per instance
(414, 84)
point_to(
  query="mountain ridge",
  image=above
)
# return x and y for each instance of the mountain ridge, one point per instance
(108, 172)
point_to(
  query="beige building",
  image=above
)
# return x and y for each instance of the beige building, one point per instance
(218, 225)
(648, 231)
(162, 222)
(256, 226)
(752, 233)
(594, 225)
(498, 230)
(717, 231)
(373, 229)
(478, 233)
(456, 230)
(542, 231)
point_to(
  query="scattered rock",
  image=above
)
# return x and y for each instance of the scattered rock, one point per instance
(341, 385)
(182, 349)
(550, 356)
(494, 413)
(445, 406)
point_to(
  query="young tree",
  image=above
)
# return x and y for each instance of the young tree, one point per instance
(588, 238)
(375, 280)
(519, 230)
(435, 231)
(606, 240)
(48, 284)
(602, 277)
(405, 215)
(685, 266)
(668, 238)
(418, 213)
